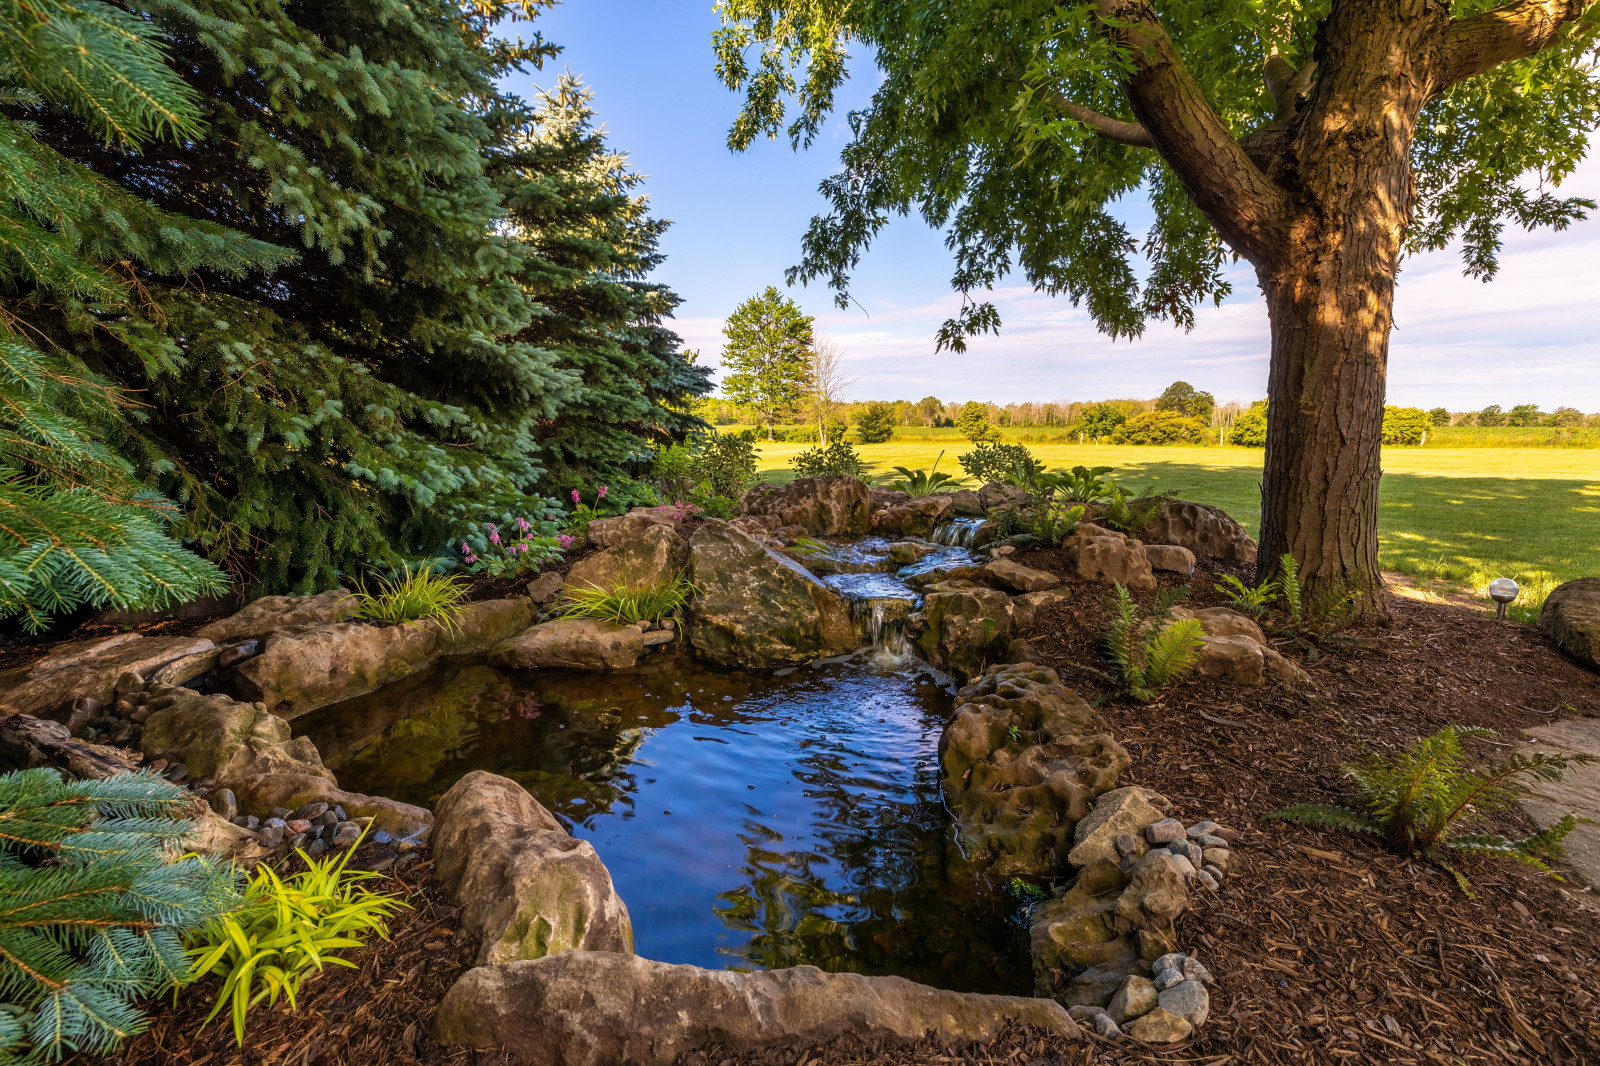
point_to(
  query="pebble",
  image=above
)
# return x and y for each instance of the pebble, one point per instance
(276, 822)
(1136, 996)
(1202, 829)
(1165, 979)
(1194, 971)
(1172, 960)
(1126, 844)
(1104, 1026)
(316, 848)
(1186, 850)
(281, 812)
(338, 812)
(346, 835)
(1208, 879)
(1083, 1012)
(1164, 832)
(1184, 866)
(178, 775)
(224, 803)
(157, 765)
(1232, 836)
(1189, 1000)
(327, 819)
(1217, 857)
(299, 840)
(1211, 840)
(1214, 871)
(310, 811)
(270, 836)
(1160, 1027)
(298, 825)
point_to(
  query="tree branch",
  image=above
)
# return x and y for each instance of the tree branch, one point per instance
(1130, 133)
(1504, 34)
(1246, 207)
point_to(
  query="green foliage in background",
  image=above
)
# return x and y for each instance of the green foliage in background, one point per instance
(837, 458)
(973, 423)
(1160, 427)
(286, 931)
(725, 463)
(1100, 420)
(875, 424)
(1187, 400)
(766, 357)
(1007, 464)
(96, 906)
(1414, 799)
(1405, 425)
(1438, 416)
(1250, 426)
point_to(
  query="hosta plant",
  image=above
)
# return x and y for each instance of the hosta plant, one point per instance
(1416, 799)
(1149, 649)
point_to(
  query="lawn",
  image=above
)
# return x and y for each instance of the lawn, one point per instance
(1462, 515)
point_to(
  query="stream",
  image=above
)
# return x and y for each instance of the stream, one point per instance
(750, 819)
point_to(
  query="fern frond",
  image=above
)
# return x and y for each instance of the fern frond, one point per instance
(1122, 635)
(1172, 651)
(1327, 816)
(1289, 586)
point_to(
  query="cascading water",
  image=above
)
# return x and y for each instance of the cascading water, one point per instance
(879, 604)
(957, 532)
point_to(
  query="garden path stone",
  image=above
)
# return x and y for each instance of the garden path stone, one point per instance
(1577, 793)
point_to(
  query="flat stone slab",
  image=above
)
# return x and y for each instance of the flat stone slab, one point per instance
(1578, 791)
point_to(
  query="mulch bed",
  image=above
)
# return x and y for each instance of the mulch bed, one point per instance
(1326, 948)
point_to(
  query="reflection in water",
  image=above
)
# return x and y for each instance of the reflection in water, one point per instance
(748, 820)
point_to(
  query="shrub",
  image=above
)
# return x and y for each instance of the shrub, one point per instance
(726, 463)
(1160, 427)
(626, 606)
(674, 467)
(1250, 426)
(1008, 464)
(1405, 425)
(286, 931)
(1085, 483)
(973, 424)
(837, 458)
(1439, 416)
(1414, 799)
(1151, 651)
(94, 911)
(1563, 416)
(1492, 416)
(875, 423)
(420, 595)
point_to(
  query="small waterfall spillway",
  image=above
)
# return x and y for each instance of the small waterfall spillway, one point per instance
(957, 532)
(879, 604)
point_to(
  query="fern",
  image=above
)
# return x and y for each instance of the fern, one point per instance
(1242, 597)
(1150, 652)
(1415, 798)
(1131, 515)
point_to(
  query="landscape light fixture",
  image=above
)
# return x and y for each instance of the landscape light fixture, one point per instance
(1502, 590)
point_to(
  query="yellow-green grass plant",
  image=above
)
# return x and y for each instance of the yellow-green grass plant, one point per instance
(1465, 516)
(287, 930)
(421, 595)
(628, 606)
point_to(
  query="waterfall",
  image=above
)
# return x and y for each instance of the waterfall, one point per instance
(957, 532)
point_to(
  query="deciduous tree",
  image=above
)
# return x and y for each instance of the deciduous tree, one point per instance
(1319, 140)
(1187, 400)
(768, 354)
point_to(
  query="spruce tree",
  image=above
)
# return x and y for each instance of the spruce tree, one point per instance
(96, 905)
(77, 526)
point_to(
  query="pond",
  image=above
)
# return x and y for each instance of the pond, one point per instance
(750, 819)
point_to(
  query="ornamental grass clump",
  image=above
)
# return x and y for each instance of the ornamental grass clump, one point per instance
(1150, 650)
(286, 931)
(96, 905)
(629, 606)
(1414, 799)
(420, 595)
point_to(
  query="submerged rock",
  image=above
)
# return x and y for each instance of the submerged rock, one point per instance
(756, 607)
(583, 1008)
(1024, 758)
(572, 644)
(1571, 617)
(1201, 528)
(832, 506)
(526, 887)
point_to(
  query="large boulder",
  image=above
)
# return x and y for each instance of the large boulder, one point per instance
(1007, 573)
(525, 886)
(915, 518)
(756, 607)
(832, 506)
(615, 532)
(573, 644)
(27, 742)
(1106, 555)
(260, 793)
(89, 669)
(1078, 929)
(965, 626)
(220, 738)
(1571, 617)
(300, 670)
(582, 1008)
(1024, 759)
(995, 494)
(269, 614)
(654, 556)
(967, 503)
(481, 625)
(1201, 528)
(1223, 622)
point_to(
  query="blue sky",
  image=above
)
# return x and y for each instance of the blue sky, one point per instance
(1531, 336)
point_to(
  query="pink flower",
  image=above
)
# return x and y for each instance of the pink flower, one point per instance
(466, 549)
(522, 547)
(522, 524)
(471, 558)
(566, 541)
(575, 496)
(602, 492)
(494, 535)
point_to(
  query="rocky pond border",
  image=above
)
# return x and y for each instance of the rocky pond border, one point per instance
(1030, 769)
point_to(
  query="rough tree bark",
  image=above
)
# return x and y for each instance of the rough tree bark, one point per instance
(1318, 201)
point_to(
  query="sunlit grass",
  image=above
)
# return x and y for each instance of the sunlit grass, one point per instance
(1463, 516)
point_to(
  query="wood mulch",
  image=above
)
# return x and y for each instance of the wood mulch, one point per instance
(1326, 948)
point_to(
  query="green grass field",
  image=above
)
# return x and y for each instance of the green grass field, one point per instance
(1464, 515)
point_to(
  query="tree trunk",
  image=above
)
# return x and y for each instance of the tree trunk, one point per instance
(1330, 292)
